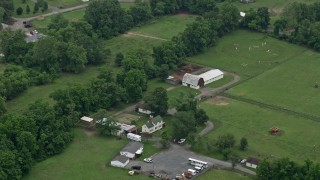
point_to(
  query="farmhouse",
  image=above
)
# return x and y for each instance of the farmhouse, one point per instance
(192, 81)
(252, 162)
(153, 125)
(120, 161)
(198, 81)
(132, 150)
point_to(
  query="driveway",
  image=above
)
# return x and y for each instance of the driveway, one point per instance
(174, 161)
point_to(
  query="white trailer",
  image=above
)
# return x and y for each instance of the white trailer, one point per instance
(196, 162)
(134, 137)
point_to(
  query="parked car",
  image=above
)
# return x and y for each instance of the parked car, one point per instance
(148, 160)
(181, 141)
(136, 167)
(243, 161)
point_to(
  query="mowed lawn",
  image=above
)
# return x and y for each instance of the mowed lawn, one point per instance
(71, 16)
(87, 157)
(290, 85)
(18, 3)
(247, 53)
(299, 139)
(219, 174)
(165, 27)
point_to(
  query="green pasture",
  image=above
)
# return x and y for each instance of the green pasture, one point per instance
(165, 27)
(223, 175)
(65, 3)
(87, 157)
(247, 53)
(299, 138)
(18, 3)
(290, 85)
(225, 80)
(71, 16)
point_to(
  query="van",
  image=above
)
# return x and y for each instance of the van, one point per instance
(192, 171)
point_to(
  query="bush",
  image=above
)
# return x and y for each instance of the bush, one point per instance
(19, 11)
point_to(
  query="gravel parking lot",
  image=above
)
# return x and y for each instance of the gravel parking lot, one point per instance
(171, 162)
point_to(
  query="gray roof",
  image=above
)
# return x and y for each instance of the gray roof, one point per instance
(191, 79)
(149, 125)
(121, 159)
(132, 147)
(157, 119)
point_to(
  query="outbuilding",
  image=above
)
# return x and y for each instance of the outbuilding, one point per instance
(132, 150)
(211, 76)
(252, 162)
(120, 161)
(193, 81)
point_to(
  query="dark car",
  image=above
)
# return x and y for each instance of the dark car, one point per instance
(136, 167)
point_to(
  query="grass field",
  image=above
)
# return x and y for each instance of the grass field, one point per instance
(73, 15)
(290, 85)
(232, 53)
(88, 157)
(18, 3)
(65, 3)
(223, 175)
(165, 27)
(226, 79)
(299, 139)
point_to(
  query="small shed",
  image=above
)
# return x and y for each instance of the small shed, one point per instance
(132, 150)
(88, 122)
(141, 108)
(120, 161)
(242, 14)
(192, 81)
(173, 80)
(252, 162)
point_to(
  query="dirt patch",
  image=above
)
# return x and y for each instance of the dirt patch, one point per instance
(219, 101)
(89, 132)
(127, 118)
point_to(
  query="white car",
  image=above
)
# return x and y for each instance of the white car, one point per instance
(243, 161)
(148, 160)
(181, 141)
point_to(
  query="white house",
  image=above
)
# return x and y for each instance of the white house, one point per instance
(212, 75)
(132, 150)
(193, 81)
(134, 137)
(120, 161)
(153, 125)
(252, 162)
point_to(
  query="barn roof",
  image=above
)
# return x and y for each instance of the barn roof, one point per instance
(191, 79)
(121, 159)
(211, 74)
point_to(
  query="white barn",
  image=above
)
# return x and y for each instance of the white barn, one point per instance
(120, 161)
(211, 76)
(132, 149)
(193, 81)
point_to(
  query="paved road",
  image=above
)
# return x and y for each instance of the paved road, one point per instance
(175, 161)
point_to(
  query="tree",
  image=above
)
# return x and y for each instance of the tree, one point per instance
(165, 140)
(140, 12)
(119, 59)
(107, 18)
(204, 6)
(135, 82)
(163, 72)
(226, 153)
(279, 25)
(24, 1)
(157, 101)
(264, 17)
(183, 124)
(44, 6)
(28, 9)
(75, 58)
(107, 128)
(201, 116)
(35, 8)
(230, 15)
(19, 11)
(2, 106)
(243, 144)
(58, 22)
(225, 142)
(169, 53)
(8, 8)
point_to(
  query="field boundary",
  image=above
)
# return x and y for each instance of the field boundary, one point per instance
(273, 107)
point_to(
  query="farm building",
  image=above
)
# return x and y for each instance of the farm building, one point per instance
(132, 150)
(153, 125)
(198, 81)
(252, 162)
(242, 14)
(173, 80)
(247, 1)
(193, 81)
(87, 122)
(141, 108)
(120, 161)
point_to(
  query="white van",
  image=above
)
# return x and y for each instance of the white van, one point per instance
(193, 172)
